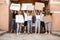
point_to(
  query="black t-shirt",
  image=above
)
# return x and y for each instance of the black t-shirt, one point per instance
(14, 14)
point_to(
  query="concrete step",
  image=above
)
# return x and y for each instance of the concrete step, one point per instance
(56, 33)
(2, 32)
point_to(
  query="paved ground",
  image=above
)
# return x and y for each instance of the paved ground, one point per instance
(12, 36)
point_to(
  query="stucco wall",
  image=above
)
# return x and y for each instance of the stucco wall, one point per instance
(55, 16)
(4, 16)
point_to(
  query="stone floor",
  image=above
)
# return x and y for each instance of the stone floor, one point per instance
(13, 36)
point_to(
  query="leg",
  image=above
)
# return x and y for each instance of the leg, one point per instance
(25, 25)
(20, 27)
(46, 27)
(36, 26)
(39, 26)
(17, 28)
(24, 29)
(28, 26)
(49, 27)
(12, 25)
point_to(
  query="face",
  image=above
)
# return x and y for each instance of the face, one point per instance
(30, 12)
(19, 12)
(15, 11)
(37, 12)
(11, 11)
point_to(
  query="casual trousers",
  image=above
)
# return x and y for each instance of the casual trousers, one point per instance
(19, 25)
(14, 24)
(37, 25)
(29, 25)
(48, 26)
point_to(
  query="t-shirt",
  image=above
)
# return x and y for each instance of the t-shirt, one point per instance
(37, 16)
(14, 15)
(42, 17)
(25, 15)
(29, 17)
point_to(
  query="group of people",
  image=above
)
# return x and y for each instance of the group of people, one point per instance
(28, 17)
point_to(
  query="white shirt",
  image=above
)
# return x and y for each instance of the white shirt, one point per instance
(25, 15)
(29, 17)
(37, 16)
(42, 17)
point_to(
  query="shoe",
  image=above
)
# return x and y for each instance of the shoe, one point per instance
(24, 31)
(49, 33)
(45, 32)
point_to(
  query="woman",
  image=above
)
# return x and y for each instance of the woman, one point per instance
(37, 23)
(20, 21)
(48, 21)
(42, 20)
(25, 20)
(29, 22)
(14, 25)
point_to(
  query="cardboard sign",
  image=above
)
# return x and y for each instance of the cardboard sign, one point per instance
(19, 19)
(39, 6)
(30, 7)
(15, 7)
(24, 6)
(47, 19)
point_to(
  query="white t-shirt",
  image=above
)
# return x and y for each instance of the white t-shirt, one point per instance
(29, 17)
(37, 16)
(42, 17)
(25, 15)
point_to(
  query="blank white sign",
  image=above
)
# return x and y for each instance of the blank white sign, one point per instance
(24, 6)
(19, 19)
(31, 7)
(15, 7)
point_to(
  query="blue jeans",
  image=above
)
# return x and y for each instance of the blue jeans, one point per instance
(14, 24)
(19, 27)
(47, 26)
(37, 25)
(29, 25)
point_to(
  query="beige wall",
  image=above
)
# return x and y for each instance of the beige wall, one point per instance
(55, 16)
(56, 22)
(4, 16)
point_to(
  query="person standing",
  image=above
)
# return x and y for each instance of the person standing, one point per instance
(25, 20)
(14, 25)
(48, 22)
(29, 22)
(42, 20)
(19, 21)
(37, 23)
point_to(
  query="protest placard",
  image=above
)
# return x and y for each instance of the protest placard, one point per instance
(39, 6)
(19, 19)
(24, 6)
(15, 7)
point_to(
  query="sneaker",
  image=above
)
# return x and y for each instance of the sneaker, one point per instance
(24, 31)
(49, 33)
(45, 32)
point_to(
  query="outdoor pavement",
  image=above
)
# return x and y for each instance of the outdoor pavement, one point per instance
(33, 36)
